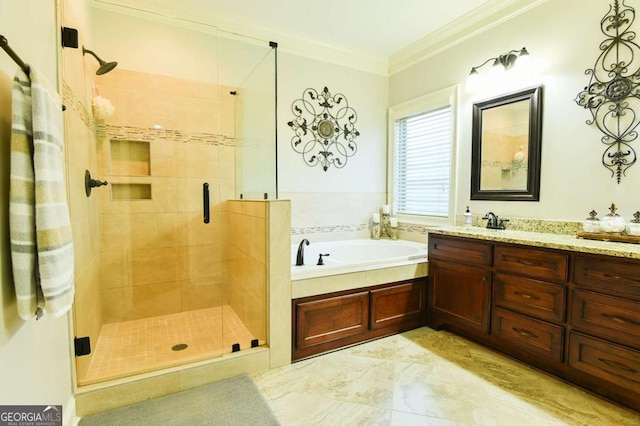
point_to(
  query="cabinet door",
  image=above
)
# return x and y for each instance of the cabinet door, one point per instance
(459, 295)
(331, 319)
(401, 306)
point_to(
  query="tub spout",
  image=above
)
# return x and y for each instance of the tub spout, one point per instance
(300, 256)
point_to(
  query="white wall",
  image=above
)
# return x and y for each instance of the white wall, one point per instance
(34, 355)
(337, 197)
(563, 37)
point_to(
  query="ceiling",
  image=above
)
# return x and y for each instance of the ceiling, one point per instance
(376, 29)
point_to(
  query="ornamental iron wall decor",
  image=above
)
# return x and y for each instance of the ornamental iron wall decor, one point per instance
(613, 93)
(324, 127)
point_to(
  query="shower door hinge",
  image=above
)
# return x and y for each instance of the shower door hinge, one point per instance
(82, 346)
(69, 37)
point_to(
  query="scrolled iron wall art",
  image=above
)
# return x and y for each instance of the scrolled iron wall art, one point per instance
(613, 93)
(324, 127)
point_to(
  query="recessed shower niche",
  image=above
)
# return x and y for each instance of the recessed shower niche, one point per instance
(130, 158)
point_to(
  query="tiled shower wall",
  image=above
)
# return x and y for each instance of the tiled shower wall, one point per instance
(245, 263)
(156, 151)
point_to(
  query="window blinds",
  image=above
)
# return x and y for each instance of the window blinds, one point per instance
(423, 157)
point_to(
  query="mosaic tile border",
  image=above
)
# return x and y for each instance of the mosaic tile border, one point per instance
(329, 229)
(72, 102)
(169, 135)
(515, 224)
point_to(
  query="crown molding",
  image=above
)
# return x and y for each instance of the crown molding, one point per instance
(287, 42)
(467, 26)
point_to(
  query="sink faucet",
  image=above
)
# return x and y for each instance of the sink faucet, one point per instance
(494, 222)
(300, 256)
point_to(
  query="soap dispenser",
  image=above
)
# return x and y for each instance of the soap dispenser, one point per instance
(467, 217)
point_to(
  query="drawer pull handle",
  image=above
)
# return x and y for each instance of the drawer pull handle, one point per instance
(525, 333)
(613, 277)
(617, 365)
(528, 262)
(526, 296)
(619, 277)
(620, 320)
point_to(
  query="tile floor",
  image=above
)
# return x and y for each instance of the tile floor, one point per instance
(133, 347)
(424, 377)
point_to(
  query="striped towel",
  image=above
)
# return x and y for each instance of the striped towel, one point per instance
(39, 226)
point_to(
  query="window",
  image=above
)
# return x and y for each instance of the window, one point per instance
(421, 154)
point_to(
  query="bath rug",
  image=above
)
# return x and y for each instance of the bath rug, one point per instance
(231, 402)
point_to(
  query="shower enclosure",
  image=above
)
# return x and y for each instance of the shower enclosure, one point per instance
(193, 127)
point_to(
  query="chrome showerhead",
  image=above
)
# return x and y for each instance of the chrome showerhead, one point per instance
(104, 67)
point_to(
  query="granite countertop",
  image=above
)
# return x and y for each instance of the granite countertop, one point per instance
(541, 239)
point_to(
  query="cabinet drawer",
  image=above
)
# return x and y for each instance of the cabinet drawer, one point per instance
(326, 320)
(536, 298)
(615, 364)
(607, 316)
(459, 250)
(532, 335)
(402, 305)
(533, 263)
(622, 277)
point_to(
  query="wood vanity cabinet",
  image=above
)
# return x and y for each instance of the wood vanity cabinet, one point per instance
(328, 322)
(604, 342)
(529, 301)
(571, 314)
(459, 284)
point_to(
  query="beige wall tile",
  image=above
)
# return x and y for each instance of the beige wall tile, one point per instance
(135, 231)
(115, 303)
(167, 158)
(227, 162)
(203, 262)
(202, 161)
(257, 235)
(114, 269)
(152, 266)
(200, 296)
(154, 300)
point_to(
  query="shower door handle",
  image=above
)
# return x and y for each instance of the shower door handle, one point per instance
(205, 202)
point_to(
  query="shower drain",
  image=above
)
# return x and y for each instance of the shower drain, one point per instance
(179, 347)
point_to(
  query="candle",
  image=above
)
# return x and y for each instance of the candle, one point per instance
(394, 222)
(386, 209)
(376, 217)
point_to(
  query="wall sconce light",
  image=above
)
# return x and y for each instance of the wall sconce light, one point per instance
(500, 64)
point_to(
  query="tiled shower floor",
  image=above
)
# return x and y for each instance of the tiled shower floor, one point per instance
(144, 345)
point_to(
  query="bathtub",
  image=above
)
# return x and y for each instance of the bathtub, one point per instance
(354, 256)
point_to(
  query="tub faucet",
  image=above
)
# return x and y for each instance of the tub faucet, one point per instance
(300, 256)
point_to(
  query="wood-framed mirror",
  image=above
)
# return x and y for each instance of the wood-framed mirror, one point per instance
(506, 147)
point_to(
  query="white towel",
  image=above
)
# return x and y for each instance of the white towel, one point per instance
(40, 229)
